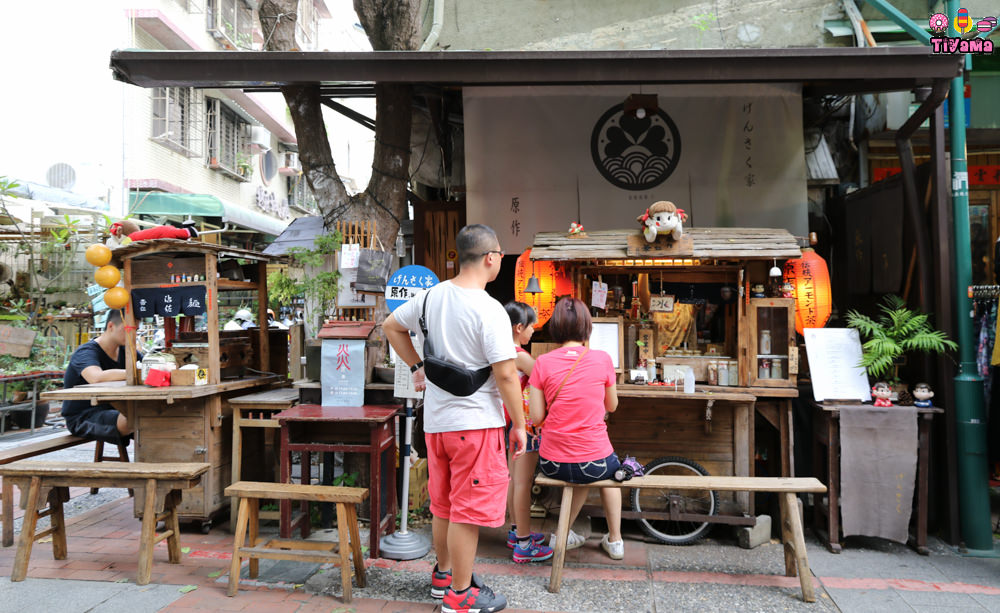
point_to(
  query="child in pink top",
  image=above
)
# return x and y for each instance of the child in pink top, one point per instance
(527, 545)
(572, 390)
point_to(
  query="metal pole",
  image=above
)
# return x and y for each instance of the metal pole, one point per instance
(974, 504)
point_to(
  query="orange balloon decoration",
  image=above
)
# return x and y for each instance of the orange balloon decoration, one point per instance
(116, 297)
(810, 280)
(107, 276)
(552, 279)
(98, 255)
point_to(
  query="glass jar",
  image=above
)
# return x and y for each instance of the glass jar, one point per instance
(651, 370)
(764, 347)
(764, 368)
(722, 372)
(777, 369)
(734, 372)
(713, 372)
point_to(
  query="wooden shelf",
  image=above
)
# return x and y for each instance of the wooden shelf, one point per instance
(230, 284)
(222, 284)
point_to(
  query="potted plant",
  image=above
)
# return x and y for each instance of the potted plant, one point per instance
(898, 331)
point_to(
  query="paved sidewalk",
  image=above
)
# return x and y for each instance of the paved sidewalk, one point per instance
(713, 575)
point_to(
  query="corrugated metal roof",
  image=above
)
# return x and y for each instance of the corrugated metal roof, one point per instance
(820, 169)
(302, 232)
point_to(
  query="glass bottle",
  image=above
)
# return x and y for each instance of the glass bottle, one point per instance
(764, 347)
(722, 372)
(734, 372)
(713, 372)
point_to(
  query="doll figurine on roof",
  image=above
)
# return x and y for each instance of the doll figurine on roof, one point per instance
(126, 231)
(882, 393)
(662, 218)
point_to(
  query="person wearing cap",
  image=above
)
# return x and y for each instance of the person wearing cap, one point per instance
(242, 320)
(272, 322)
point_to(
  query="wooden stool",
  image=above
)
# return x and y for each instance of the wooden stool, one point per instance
(100, 457)
(256, 411)
(347, 499)
(157, 489)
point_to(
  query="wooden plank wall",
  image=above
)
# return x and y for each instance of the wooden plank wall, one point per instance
(436, 224)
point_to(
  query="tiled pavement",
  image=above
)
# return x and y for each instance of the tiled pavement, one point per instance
(99, 574)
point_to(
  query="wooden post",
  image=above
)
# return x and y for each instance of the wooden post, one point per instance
(131, 356)
(212, 317)
(794, 521)
(8, 513)
(58, 521)
(345, 560)
(238, 540)
(562, 533)
(296, 348)
(264, 357)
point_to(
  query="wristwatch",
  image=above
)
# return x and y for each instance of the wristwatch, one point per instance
(416, 366)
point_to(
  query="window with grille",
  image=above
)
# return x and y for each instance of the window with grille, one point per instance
(228, 146)
(231, 23)
(176, 122)
(300, 195)
(306, 26)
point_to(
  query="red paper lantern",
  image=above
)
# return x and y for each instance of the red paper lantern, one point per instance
(810, 281)
(551, 278)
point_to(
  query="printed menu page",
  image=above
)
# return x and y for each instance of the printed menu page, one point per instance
(834, 358)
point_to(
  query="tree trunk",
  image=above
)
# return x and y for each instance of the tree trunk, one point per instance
(389, 26)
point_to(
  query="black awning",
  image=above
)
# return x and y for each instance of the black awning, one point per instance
(819, 70)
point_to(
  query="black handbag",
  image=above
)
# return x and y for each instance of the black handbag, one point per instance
(455, 379)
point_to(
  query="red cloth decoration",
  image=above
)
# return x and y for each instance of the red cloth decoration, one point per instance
(161, 232)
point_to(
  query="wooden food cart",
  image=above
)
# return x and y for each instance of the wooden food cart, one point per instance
(704, 282)
(191, 423)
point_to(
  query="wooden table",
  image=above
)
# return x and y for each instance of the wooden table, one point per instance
(191, 423)
(256, 411)
(826, 433)
(369, 429)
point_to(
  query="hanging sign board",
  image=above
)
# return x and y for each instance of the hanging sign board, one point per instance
(403, 380)
(406, 283)
(342, 375)
(661, 304)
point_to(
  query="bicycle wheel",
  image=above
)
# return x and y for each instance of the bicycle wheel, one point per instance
(691, 501)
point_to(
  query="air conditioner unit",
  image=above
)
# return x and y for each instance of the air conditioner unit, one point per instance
(260, 139)
(291, 166)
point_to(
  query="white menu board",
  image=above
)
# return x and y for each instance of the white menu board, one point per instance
(834, 355)
(607, 336)
(403, 379)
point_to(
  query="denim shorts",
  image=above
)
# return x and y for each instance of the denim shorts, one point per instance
(534, 441)
(99, 423)
(580, 472)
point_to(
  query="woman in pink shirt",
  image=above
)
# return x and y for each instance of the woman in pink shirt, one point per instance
(572, 389)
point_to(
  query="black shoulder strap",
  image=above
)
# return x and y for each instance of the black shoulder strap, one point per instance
(423, 322)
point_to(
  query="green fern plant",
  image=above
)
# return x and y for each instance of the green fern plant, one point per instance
(899, 330)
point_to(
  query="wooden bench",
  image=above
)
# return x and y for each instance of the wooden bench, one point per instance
(37, 448)
(792, 536)
(157, 494)
(347, 498)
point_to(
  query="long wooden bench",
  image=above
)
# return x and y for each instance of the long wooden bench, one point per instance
(37, 448)
(250, 493)
(796, 561)
(157, 494)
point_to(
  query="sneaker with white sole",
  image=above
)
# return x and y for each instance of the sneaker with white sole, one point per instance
(536, 538)
(615, 549)
(573, 541)
(477, 599)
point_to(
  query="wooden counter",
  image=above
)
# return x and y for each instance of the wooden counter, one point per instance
(179, 424)
(112, 391)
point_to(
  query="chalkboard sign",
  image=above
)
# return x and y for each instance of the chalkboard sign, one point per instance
(834, 358)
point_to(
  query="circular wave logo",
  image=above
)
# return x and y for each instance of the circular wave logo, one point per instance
(632, 153)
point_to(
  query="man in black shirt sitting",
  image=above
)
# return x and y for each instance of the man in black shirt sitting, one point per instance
(98, 361)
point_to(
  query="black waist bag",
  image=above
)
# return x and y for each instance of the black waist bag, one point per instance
(452, 378)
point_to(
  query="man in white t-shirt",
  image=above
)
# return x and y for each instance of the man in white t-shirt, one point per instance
(467, 469)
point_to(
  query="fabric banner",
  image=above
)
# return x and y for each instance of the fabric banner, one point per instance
(169, 301)
(878, 465)
(539, 158)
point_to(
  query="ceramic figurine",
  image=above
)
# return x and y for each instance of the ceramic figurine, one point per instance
(757, 291)
(662, 218)
(923, 394)
(882, 394)
(787, 291)
(126, 231)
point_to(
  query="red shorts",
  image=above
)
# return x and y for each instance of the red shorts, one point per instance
(467, 476)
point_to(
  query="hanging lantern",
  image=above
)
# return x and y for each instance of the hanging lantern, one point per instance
(810, 280)
(550, 282)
